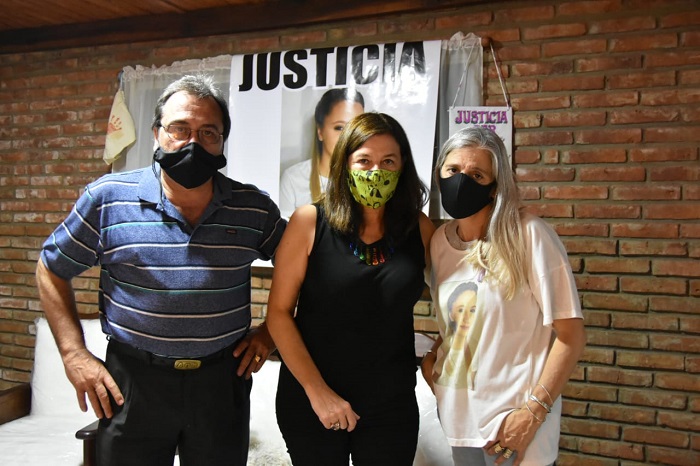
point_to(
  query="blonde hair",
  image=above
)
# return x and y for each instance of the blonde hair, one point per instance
(502, 253)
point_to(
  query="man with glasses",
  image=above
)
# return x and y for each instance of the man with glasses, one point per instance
(174, 243)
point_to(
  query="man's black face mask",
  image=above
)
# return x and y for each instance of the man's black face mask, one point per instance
(191, 165)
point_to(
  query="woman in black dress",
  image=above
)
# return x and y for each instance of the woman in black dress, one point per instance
(354, 263)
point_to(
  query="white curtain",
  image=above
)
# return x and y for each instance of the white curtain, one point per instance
(143, 86)
(461, 83)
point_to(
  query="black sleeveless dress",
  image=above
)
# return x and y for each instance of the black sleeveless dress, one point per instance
(357, 323)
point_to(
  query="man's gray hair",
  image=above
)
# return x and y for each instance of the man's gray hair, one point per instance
(201, 86)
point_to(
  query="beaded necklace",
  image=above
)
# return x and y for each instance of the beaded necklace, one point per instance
(378, 253)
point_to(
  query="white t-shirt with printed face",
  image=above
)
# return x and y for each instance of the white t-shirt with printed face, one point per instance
(494, 350)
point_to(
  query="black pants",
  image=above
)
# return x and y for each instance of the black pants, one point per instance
(387, 435)
(205, 413)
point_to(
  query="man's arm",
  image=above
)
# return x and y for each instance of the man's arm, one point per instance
(87, 373)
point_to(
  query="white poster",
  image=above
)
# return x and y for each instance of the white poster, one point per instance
(273, 97)
(498, 119)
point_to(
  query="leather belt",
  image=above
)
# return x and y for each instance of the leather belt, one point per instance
(182, 364)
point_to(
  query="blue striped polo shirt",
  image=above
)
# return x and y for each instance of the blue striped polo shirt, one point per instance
(166, 287)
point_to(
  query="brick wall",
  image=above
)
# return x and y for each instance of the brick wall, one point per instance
(607, 106)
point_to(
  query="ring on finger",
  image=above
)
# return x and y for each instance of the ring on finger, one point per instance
(508, 453)
(498, 448)
(336, 426)
(257, 358)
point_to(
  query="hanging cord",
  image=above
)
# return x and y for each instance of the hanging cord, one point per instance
(498, 71)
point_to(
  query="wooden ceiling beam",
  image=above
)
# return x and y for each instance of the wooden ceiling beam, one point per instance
(269, 14)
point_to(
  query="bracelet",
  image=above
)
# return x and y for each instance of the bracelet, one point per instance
(551, 400)
(541, 403)
(533, 414)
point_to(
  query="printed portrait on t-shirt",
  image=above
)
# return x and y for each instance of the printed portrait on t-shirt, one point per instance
(460, 312)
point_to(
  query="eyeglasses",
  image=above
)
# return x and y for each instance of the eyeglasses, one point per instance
(183, 133)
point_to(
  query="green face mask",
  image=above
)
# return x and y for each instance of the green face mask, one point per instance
(373, 188)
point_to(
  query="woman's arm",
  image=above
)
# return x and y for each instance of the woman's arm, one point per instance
(292, 258)
(520, 426)
(427, 228)
(428, 363)
(561, 362)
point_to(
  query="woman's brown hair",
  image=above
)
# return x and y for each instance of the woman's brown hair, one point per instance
(343, 213)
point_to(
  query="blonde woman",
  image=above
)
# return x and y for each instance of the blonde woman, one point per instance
(527, 329)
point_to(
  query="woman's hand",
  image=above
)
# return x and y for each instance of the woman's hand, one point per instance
(516, 432)
(287, 278)
(426, 368)
(332, 410)
(427, 364)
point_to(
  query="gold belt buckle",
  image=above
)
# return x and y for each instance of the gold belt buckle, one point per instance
(187, 364)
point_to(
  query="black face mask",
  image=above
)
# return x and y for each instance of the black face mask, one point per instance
(462, 197)
(191, 165)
